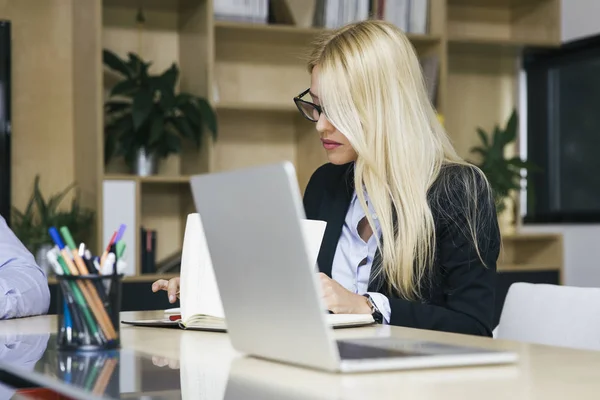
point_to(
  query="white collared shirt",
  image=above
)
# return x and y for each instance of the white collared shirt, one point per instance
(353, 258)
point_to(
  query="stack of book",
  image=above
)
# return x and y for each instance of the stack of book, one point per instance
(252, 11)
(332, 14)
(408, 15)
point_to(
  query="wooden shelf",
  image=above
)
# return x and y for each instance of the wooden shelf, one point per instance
(248, 106)
(248, 31)
(133, 278)
(530, 236)
(527, 267)
(500, 42)
(162, 179)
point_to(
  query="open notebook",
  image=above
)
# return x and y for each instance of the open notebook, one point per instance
(200, 301)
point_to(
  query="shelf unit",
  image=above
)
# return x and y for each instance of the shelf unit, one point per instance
(250, 73)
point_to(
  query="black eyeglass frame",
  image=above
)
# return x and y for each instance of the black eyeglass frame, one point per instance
(298, 100)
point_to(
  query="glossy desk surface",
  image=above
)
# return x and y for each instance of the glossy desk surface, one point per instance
(160, 363)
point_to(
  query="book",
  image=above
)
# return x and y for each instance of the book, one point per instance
(200, 301)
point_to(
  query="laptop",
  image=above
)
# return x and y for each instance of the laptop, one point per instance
(272, 297)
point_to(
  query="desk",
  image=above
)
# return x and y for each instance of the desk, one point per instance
(204, 365)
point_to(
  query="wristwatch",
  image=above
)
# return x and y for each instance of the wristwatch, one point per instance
(377, 316)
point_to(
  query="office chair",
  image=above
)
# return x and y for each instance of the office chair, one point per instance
(553, 315)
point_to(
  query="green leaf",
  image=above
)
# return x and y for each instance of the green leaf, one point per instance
(208, 116)
(479, 150)
(113, 106)
(173, 144)
(55, 200)
(510, 131)
(517, 162)
(40, 202)
(483, 136)
(184, 128)
(169, 77)
(124, 88)
(157, 129)
(142, 106)
(115, 63)
(167, 93)
(192, 114)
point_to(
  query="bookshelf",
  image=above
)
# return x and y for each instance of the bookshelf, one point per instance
(250, 73)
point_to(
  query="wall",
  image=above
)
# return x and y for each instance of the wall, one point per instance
(55, 70)
(579, 19)
(42, 101)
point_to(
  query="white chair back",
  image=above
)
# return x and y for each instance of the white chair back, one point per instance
(552, 315)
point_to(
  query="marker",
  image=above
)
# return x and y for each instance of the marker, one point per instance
(120, 233)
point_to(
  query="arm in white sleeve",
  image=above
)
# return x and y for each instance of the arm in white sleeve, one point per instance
(383, 305)
(23, 285)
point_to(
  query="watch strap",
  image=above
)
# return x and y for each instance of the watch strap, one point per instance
(377, 316)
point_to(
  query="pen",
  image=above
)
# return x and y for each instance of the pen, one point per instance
(59, 264)
(120, 233)
(102, 316)
(87, 290)
(68, 323)
(110, 243)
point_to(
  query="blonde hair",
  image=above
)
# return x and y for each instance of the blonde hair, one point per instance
(372, 90)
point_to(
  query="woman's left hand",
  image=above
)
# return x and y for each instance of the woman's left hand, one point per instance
(339, 300)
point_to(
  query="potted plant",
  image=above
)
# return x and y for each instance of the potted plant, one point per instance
(31, 225)
(502, 172)
(146, 120)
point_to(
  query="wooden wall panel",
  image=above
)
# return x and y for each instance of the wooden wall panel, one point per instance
(42, 95)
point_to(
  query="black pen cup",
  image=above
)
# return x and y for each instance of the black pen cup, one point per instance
(88, 312)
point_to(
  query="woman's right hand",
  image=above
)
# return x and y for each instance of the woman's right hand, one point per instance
(171, 287)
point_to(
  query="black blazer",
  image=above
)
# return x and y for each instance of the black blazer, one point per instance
(459, 297)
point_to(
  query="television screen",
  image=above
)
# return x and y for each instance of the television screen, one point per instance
(5, 127)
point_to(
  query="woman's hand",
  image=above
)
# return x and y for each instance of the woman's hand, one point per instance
(341, 301)
(171, 287)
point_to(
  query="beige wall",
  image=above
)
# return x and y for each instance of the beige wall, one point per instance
(44, 58)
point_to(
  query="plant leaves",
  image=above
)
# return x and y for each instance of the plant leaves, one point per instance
(39, 199)
(510, 131)
(169, 77)
(115, 63)
(184, 128)
(113, 106)
(173, 143)
(124, 88)
(142, 106)
(208, 116)
(484, 137)
(157, 129)
(192, 114)
(55, 200)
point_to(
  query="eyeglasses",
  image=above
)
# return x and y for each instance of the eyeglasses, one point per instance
(309, 110)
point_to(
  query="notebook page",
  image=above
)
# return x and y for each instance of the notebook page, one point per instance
(199, 291)
(313, 232)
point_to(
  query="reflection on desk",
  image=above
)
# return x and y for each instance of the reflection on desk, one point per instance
(20, 351)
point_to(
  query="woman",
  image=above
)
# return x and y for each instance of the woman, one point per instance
(418, 245)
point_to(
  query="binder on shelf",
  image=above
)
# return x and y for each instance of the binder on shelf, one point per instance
(148, 251)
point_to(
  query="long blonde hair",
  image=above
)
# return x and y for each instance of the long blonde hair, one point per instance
(372, 90)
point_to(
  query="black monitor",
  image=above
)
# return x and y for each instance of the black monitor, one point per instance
(5, 126)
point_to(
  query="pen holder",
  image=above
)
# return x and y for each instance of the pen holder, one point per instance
(88, 312)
